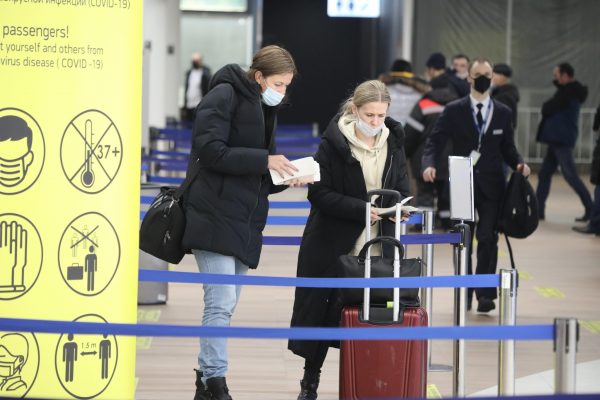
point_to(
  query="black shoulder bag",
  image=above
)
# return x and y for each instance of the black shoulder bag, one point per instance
(163, 225)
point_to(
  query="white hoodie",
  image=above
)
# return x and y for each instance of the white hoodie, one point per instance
(372, 162)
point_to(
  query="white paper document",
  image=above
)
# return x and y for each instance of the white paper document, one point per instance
(307, 167)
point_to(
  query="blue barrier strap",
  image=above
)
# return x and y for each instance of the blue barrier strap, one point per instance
(434, 238)
(282, 240)
(280, 220)
(523, 332)
(289, 204)
(164, 179)
(169, 153)
(473, 281)
(146, 199)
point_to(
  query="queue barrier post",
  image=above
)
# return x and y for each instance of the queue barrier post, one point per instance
(508, 317)
(566, 338)
(461, 260)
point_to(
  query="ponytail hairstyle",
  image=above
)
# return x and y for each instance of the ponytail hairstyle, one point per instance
(367, 92)
(272, 60)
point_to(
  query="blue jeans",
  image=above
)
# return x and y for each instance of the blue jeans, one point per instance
(219, 304)
(563, 156)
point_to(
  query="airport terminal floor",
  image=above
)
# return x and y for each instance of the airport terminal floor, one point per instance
(559, 273)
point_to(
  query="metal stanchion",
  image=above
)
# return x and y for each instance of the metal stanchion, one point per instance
(461, 260)
(508, 316)
(566, 337)
(427, 293)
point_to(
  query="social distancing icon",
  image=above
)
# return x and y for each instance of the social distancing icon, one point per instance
(21, 256)
(85, 364)
(91, 151)
(89, 254)
(22, 150)
(19, 363)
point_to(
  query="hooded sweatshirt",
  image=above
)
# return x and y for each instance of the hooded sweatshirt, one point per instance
(372, 162)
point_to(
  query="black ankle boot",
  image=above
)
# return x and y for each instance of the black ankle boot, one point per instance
(201, 392)
(217, 387)
(308, 389)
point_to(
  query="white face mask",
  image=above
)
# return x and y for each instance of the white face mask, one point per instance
(271, 97)
(366, 129)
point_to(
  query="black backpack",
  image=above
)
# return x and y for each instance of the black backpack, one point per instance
(519, 212)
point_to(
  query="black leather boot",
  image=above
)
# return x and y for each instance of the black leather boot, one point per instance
(217, 387)
(201, 392)
(308, 389)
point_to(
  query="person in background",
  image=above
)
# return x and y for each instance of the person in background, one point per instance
(504, 91)
(402, 86)
(233, 149)
(418, 128)
(195, 87)
(481, 128)
(594, 225)
(360, 150)
(558, 129)
(460, 66)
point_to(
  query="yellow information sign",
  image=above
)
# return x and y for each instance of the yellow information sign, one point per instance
(70, 124)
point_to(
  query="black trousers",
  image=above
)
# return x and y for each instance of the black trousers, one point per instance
(486, 233)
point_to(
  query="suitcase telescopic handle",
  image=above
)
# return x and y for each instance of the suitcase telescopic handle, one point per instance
(384, 192)
(380, 239)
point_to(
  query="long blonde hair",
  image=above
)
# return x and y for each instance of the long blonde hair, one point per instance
(367, 92)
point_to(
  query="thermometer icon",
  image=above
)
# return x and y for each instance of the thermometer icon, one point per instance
(87, 177)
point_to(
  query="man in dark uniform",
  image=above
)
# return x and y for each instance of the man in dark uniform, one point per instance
(481, 128)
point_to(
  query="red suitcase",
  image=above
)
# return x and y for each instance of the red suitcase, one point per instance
(383, 368)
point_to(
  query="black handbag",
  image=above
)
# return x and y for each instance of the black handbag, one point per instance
(163, 225)
(354, 267)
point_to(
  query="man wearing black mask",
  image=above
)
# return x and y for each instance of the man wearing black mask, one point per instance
(481, 128)
(558, 129)
(196, 86)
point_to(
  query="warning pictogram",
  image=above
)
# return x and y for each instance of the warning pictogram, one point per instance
(85, 364)
(19, 363)
(21, 255)
(91, 151)
(89, 253)
(22, 150)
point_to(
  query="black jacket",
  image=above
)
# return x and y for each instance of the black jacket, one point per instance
(204, 85)
(457, 124)
(509, 96)
(233, 134)
(560, 115)
(337, 218)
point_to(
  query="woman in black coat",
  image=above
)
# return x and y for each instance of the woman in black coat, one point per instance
(358, 153)
(226, 207)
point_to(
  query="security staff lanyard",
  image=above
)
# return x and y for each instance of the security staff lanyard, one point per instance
(481, 129)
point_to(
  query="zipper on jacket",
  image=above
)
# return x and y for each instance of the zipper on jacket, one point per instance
(253, 211)
(383, 187)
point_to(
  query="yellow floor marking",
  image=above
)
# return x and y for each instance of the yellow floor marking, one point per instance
(151, 315)
(550, 292)
(524, 275)
(143, 342)
(592, 326)
(433, 392)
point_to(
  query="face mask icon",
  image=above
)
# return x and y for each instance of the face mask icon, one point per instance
(12, 172)
(14, 352)
(15, 150)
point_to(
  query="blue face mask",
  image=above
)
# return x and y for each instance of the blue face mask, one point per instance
(366, 129)
(271, 97)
